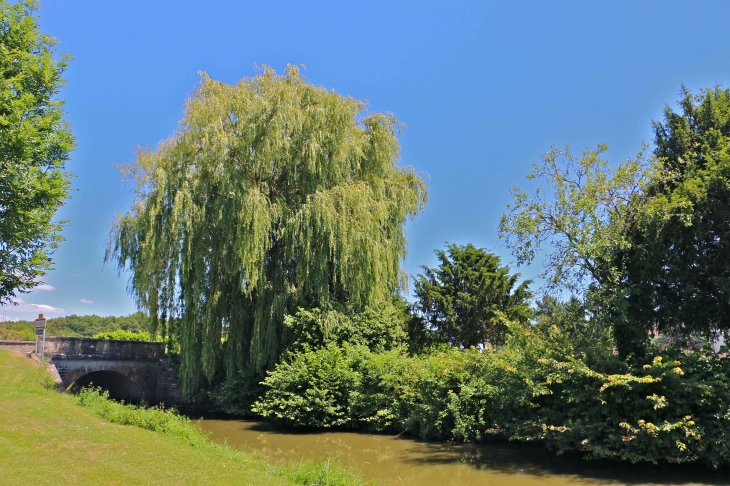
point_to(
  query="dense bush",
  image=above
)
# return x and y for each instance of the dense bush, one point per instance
(121, 335)
(16, 331)
(675, 408)
(380, 328)
(443, 395)
(314, 389)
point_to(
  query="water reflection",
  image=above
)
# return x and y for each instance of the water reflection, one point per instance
(403, 461)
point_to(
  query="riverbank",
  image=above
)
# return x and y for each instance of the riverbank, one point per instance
(48, 438)
(389, 460)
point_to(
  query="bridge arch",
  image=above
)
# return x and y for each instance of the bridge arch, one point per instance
(130, 370)
(119, 386)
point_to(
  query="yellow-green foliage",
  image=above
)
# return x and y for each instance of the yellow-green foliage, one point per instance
(76, 326)
(121, 335)
(274, 193)
(674, 408)
(17, 331)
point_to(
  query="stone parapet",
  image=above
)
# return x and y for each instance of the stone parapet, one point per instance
(89, 348)
(20, 346)
(150, 374)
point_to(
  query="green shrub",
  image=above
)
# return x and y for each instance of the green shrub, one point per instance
(675, 408)
(440, 396)
(379, 328)
(387, 390)
(13, 332)
(121, 335)
(156, 419)
(313, 389)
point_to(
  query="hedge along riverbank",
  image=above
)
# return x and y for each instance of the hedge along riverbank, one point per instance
(674, 408)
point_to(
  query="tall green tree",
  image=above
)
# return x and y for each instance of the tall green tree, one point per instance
(580, 221)
(35, 143)
(273, 194)
(677, 266)
(467, 297)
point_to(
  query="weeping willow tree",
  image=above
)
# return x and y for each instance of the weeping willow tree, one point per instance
(272, 194)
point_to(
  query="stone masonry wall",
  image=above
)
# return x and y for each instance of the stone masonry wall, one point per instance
(144, 363)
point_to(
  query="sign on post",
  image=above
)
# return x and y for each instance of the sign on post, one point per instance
(40, 330)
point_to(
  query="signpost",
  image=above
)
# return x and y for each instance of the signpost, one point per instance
(40, 330)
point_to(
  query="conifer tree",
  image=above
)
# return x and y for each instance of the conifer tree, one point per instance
(467, 297)
(676, 270)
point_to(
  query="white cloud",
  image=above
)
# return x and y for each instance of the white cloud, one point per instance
(30, 307)
(45, 287)
(86, 301)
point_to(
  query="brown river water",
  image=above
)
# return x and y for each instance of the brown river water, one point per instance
(390, 460)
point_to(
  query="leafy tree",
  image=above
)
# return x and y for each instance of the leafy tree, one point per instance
(582, 219)
(79, 326)
(589, 336)
(35, 143)
(466, 299)
(676, 269)
(582, 225)
(273, 194)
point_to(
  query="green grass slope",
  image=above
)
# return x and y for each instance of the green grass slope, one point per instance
(49, 438)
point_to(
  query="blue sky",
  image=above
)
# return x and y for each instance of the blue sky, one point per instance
(484, 88)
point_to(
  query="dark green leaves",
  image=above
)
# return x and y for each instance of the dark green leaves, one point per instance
(468, 297)
(677, 266)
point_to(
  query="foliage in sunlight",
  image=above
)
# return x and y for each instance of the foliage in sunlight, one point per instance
(274, 194)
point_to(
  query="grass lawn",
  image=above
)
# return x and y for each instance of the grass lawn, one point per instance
(48, 438)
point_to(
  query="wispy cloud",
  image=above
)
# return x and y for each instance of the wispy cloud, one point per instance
(45, 287)
(86, 301)
(24, 306)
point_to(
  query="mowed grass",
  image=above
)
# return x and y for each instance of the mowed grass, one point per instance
(48, 438)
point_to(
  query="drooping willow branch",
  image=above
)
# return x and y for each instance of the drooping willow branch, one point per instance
(273, 194)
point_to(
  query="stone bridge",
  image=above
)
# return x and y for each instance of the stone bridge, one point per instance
(131, 371)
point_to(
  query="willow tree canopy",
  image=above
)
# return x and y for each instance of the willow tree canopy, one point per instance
(272, 194)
